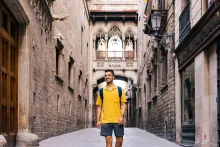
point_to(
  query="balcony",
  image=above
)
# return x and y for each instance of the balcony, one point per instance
(129, 55)
(100, 54)
(184, 22)
(115, 64)
(115, 55)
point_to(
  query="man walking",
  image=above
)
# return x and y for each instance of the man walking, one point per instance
(111, 107)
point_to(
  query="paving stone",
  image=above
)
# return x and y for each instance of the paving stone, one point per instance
(134, 137)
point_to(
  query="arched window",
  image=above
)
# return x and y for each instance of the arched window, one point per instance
(100, 44)
(129, 44)
(115, 49)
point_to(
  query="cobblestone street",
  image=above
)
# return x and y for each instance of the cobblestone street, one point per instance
(90, 138)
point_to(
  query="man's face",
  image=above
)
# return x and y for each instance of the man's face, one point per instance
(109, 77)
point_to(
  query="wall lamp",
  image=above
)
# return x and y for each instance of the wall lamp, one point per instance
(156, 18)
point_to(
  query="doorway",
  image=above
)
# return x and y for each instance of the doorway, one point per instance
(8, 75)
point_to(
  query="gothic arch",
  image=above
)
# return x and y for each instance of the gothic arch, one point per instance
(100, 31)
(131, 30)
(112, 27)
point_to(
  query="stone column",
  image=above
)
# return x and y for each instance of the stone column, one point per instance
(123, 47)
(25, 90)
(94, 49)
(178, 103)
(135, 47)
(202, 100)
(106, 49)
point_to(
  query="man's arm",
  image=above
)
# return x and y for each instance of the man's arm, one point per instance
(122, 119)
(98, 113)
(124, 107)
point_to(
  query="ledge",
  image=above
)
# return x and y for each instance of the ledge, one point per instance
(154, 97)
(18, 11)
(165, 87)
(58, 78)
(70, 88)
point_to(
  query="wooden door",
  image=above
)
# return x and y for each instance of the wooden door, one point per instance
(8, 75)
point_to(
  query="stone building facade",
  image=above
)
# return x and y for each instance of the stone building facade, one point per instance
(48, 85)
(156, 80)
(197, 40)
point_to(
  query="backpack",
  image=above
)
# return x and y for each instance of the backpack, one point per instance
(119, 93)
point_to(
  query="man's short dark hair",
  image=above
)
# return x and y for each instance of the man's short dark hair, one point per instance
(110, 70)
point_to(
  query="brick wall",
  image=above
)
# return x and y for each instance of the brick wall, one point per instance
(159, 110)
(56, 108)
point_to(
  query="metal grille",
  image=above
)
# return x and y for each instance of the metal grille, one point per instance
(218, 84)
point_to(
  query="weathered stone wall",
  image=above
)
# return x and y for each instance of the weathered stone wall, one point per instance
(55, 106)
(157, 94)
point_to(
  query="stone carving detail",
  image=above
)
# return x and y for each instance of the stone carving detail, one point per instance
(115, 32)
(100, 64)
(129, 64)
(114, 64)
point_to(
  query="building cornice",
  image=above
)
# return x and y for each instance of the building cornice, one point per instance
(125, 15)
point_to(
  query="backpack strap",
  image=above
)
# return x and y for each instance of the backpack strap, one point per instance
(119, 93)
(101, 94)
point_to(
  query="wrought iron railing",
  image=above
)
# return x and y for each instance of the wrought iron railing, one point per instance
(184, 22)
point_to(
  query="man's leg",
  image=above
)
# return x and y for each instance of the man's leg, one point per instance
(119, 141)
(106, 131)
(119, 132)
(108, 141)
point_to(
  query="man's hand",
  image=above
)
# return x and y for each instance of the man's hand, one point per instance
(98, 124)
(121, 120)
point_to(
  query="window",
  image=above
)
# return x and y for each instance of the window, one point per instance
(58, 102)
(208, 4)
(184, 20)
(59, 58)
(161, 4)
(149, 84)
(81, 39)
(70, 107)
(188, 95)
(80, 81)
(145, 94)
(70, 72)
(100, 45)
(154, 82)
(115, 49)
(129, 45)
(163, 67)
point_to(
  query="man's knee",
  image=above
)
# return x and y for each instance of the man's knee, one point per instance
(108, 139)
(119, 139)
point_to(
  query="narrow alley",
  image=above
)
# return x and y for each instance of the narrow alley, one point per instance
(70, 66)
(134, 137)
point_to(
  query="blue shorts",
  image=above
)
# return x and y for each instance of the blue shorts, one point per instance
(106, 129)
